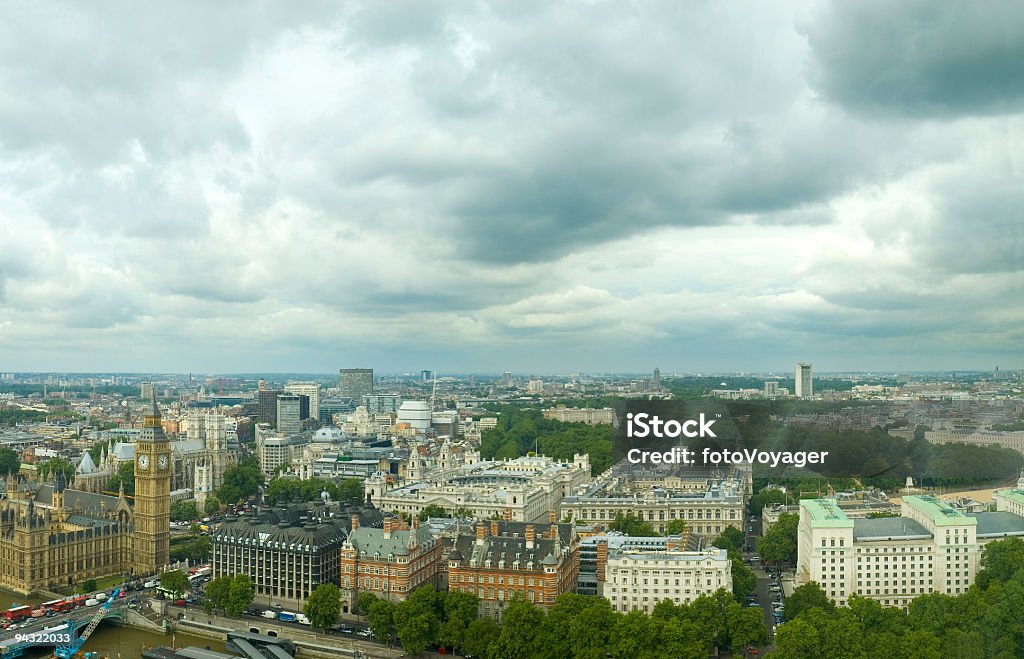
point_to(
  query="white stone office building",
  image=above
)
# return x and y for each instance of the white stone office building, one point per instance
(931, 547)
(636, 580)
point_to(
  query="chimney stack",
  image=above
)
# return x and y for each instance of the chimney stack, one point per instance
(388, 525)
(494, 527)
(506, 514)
(553, 531)
(552, 517)
(602, 559)
(529, 536)
(481, 533)
(355, 522)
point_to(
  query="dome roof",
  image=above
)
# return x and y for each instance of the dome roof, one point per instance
(328, 434)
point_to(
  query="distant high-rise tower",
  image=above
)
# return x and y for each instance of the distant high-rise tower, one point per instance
(355, 383)
(771, 388)
(656, 380)
(804, 387)
(426, 375)
(506, 379)
(289, 416)
(310, 389)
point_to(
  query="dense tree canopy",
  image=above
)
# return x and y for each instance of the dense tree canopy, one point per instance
(522, 430)
(779, 542)
(183, 511)
(983, 622)
(323, 607)
(10, 463)
(125, 476)
(241, 481)
(630, 524)
(175, 582)
(284, 490)
(576, 627)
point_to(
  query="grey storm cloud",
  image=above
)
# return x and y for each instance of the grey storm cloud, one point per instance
(919, 57)
(509, 185)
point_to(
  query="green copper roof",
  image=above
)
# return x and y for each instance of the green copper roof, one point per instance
(940, 512)
(826, 513)
(1013, 495)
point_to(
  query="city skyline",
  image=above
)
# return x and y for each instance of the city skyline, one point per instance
(552, 188)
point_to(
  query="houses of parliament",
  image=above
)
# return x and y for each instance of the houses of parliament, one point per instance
(54, 535)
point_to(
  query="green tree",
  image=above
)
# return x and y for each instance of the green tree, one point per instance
(364, 601)
(323, 608)
(731, 539)
(460, 611)
(746, 627)
(240, 595)
(519, 637)
(53, 466)
(175, 582)
(10, 463)
(480, 636)
(779, 543)
(675, 527)
(416, 631)
(805, 597)
(418, 618)
(590, 633)
(1001, 560)
(744, 580)
(381, 617)
(183, 511)
(350, 491)
(766, 497)
(217, 592)
(125, 476)
(89, 586)
(630, 524)
(241, 481)
(433, 510)
(212, 505)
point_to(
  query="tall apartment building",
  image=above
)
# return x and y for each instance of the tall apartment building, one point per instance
(636, 580)
(504, 558)
(310, 389)
(771, 388)
(355, 383)
(804, 387)
(931, 547)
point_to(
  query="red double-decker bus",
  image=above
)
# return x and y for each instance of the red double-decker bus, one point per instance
(16, 613)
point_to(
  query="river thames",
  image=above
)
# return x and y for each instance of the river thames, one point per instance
(115, 641)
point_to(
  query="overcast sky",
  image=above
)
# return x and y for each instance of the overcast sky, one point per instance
(535, 187)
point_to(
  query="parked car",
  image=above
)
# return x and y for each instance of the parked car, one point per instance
(151, 584)
(180, 602)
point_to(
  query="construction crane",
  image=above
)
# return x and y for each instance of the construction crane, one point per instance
(68, 651)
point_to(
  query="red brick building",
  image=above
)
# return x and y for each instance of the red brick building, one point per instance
(389, 562)
(503, 558)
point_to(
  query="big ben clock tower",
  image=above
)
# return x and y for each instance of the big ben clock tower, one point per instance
(152, 494)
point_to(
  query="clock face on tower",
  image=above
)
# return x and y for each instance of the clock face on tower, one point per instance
(144, 461)
(162, 462)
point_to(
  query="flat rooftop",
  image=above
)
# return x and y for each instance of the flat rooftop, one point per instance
(889, 528)
(940, 512)
(1014, 495)
(999, 525)
(826, 513)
